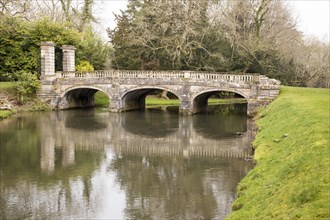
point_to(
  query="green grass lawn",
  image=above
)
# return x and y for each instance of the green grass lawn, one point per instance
(6, 87)
(160, 101)
(291, 177)
(101, 99)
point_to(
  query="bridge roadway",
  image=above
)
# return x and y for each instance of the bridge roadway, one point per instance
(182, 138)
(127, 90)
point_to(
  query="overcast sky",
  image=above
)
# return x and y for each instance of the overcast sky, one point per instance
(312, 15)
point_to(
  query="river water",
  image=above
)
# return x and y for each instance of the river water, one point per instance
(152, 164)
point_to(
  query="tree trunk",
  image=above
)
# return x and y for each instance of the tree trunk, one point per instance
(164, 95)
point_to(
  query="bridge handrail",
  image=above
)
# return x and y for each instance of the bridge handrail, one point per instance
(160, 74)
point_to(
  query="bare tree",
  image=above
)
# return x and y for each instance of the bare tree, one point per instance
(14, 8)
(77, 12)
(254, 28)
(242, 35)
(313, 64)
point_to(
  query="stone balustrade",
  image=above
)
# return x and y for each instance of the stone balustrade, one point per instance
(127, 74)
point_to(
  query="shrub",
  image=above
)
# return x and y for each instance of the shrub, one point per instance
(26, 85)
(84, 66)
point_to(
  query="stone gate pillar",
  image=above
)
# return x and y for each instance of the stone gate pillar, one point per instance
(68, 58)
(47, 50)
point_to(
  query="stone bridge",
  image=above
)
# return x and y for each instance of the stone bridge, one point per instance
(127, 90)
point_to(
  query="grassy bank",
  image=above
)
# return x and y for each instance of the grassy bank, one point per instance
(6, 89)
(291, 177)
(5, 114)
(7, 86)
(32, 103)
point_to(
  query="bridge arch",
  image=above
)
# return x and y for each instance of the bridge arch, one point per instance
(200, 100)
(134, 98)
(79, 97)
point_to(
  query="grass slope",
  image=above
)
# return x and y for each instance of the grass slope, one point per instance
(291, 178)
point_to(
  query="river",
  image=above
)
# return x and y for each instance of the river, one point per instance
(152, 164)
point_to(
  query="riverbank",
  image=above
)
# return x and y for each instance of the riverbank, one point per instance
(6, 99)
(9, 104)
(292, 153)
(5, 114)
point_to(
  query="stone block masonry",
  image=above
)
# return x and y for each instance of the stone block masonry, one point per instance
(68, 58)
(47, 59)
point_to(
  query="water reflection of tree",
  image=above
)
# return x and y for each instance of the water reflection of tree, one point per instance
(175, 188)
(84, 120)
(61, 189)
(22, 177)
(151, 123)
(23, 160)
(13, 156)
(222, 121)
(156, 186)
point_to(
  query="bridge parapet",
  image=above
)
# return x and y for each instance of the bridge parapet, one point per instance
(127, 74)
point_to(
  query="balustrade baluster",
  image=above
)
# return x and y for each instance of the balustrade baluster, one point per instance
(160, 75)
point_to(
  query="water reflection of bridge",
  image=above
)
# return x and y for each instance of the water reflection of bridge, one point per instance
(170, 136)
(90, 156)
